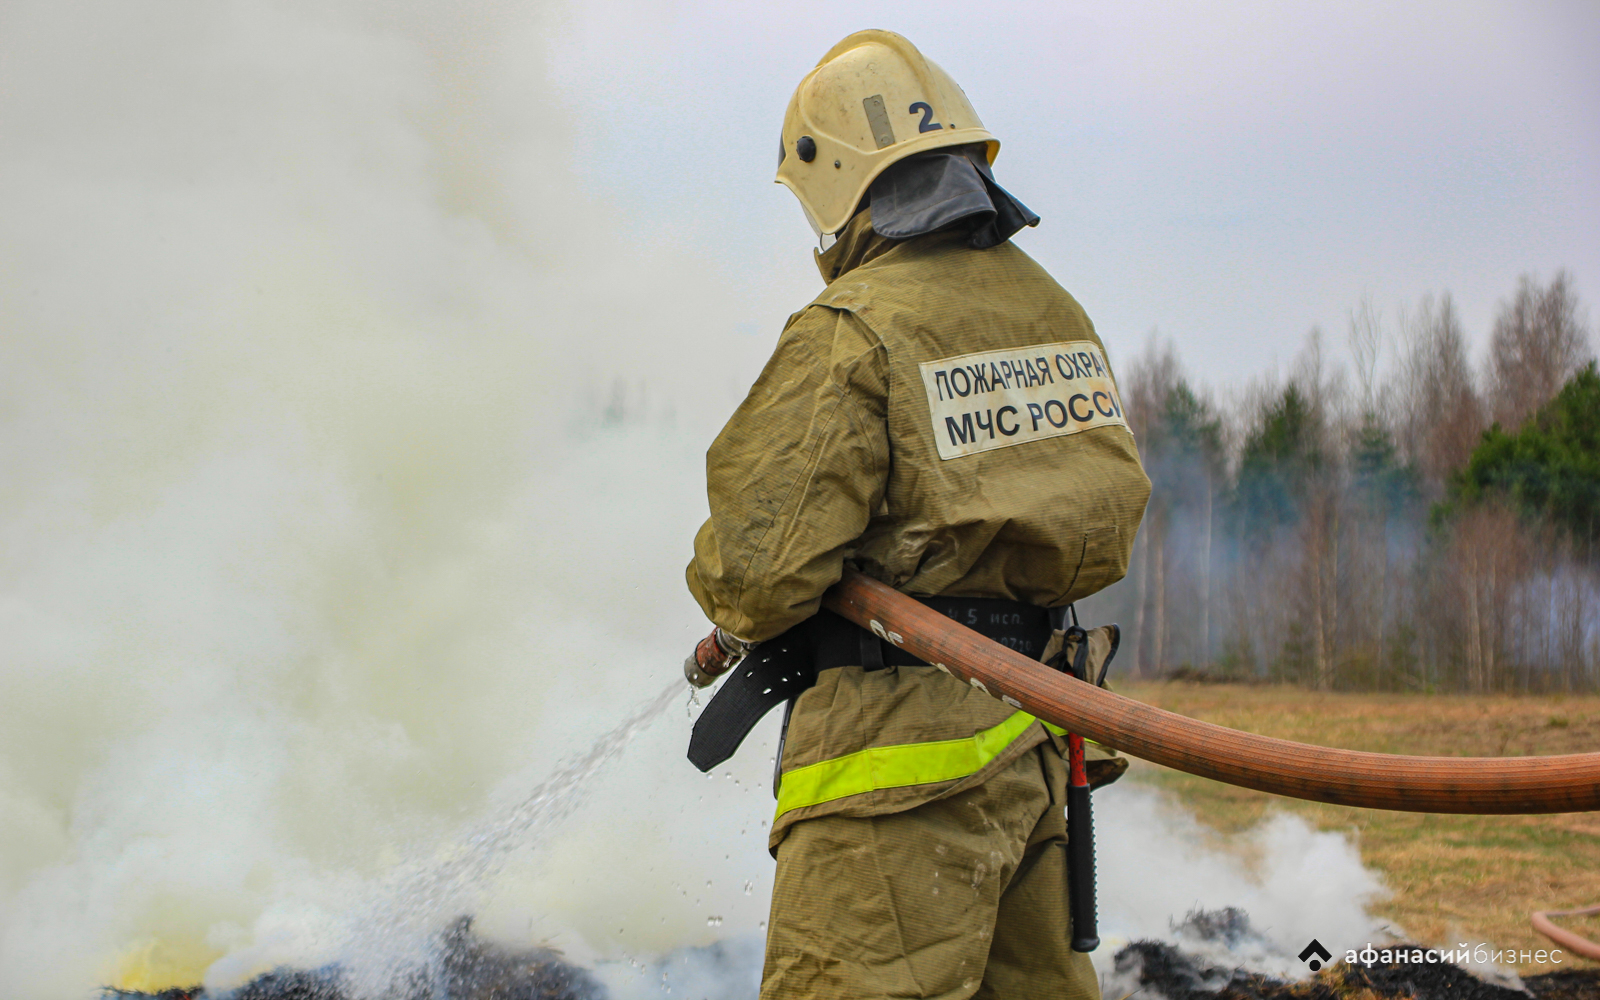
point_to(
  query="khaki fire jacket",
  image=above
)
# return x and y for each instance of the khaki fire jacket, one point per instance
(944, 419)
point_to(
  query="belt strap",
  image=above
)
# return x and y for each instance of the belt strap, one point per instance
(781, 668)
(774, 672)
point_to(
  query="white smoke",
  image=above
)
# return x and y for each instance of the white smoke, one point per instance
(351, 459)
(342, 495)
(1157, 864)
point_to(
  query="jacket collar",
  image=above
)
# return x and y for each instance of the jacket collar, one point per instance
(857, 244)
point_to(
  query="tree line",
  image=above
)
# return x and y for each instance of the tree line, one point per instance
(1411, 522)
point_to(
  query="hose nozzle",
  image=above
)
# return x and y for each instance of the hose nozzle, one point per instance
(714, 656)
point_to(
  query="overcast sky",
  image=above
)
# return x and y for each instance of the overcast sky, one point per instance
(1227, 174)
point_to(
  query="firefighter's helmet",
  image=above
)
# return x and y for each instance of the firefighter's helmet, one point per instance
(872, 101)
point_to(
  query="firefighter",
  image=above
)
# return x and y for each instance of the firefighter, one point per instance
(942, 418)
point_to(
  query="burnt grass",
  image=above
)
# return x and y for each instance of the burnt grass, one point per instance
(1161, 969)
(1164, 970)
(470, 968)
(466, 968)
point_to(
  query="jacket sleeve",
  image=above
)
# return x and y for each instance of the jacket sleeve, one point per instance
(793, 477)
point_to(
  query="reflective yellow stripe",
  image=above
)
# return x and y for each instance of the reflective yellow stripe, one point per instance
(1062, 732)
(897, 766)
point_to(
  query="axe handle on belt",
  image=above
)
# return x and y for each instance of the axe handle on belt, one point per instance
(1080, 824)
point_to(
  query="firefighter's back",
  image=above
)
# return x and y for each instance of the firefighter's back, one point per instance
(1012, 470)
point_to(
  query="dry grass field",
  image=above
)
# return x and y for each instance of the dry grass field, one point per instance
(1453, 878)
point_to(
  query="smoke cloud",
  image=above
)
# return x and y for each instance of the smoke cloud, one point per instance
(1158, 864)
(352, 459)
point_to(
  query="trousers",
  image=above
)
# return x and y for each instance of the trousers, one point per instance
(964, 896)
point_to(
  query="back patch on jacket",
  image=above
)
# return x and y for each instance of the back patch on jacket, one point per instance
(1001, 398)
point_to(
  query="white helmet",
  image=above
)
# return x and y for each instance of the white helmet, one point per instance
(872, 101)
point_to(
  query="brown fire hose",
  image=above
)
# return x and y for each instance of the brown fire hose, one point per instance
(1565, 938)
(1566, 783)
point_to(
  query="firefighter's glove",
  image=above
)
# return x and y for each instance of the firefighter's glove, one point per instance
(716, 654)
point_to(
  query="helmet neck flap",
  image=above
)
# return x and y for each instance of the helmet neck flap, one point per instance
(945, 188)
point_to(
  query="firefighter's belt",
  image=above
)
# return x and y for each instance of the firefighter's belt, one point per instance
(783, 667)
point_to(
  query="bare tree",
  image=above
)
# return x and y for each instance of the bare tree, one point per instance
(1538, 342)
(1324, 389)
(1148, 380)
(1486, 559)
(1366, 342)
(1322, 383)
(1440, 413)
(1145, 384)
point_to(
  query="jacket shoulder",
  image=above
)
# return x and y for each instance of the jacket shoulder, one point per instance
(942, 276)
(934, 261)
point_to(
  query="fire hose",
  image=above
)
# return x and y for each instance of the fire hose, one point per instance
(1572, 942)
(1483, 785)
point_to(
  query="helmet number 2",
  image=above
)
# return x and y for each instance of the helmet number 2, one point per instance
(927, 124)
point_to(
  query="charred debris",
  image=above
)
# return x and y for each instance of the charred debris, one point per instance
(465, 967)
(1163, 971)
(470, 968)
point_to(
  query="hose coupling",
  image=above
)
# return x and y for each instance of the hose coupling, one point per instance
(714, 656)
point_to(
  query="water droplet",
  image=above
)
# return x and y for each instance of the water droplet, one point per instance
(749, 887)
(713, 921)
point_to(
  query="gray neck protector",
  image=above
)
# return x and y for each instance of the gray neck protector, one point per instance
(947, 188)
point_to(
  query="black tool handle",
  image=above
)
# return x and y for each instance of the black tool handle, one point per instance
(1080, 822)
(1080, 867)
